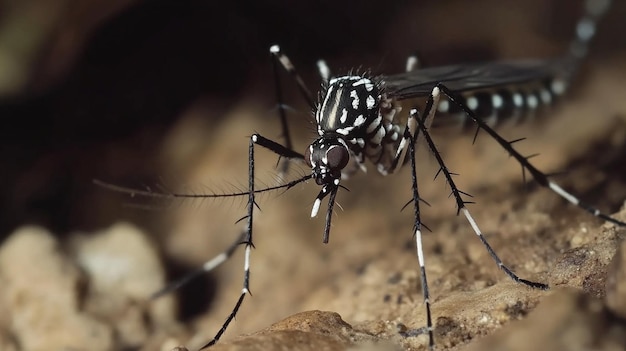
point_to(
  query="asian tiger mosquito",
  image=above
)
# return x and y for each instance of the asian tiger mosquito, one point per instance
(355, 118)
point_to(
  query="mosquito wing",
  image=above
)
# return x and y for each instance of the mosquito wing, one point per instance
(466, 77)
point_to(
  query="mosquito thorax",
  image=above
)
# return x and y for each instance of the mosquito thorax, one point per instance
(327, 156)
(347, 106)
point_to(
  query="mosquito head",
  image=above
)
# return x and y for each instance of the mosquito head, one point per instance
(327, 156)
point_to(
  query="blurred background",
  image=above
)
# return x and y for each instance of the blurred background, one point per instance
(90, 89)
(142, 93)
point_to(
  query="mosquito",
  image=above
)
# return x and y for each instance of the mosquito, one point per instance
(356, 121)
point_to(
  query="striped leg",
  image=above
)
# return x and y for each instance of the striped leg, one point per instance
(324, 71)
(407, 144)
(282, 151)
(431, 105)
(414, 119)
(247, 241)
(539, 176)
(242, 239)
(457, 194)
(285, 62)
(291, 69)
(208, 266)
(417, 227)
(412, 127)
(412, 63)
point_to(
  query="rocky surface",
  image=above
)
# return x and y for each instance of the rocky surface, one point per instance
(41, 291)
(565, 320)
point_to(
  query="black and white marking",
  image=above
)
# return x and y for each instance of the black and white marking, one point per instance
(356, 121)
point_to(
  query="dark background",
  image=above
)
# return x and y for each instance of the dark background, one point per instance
(106, 80)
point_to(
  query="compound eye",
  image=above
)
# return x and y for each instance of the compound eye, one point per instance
(337, 157)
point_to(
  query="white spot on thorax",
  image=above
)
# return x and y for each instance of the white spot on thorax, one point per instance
(344, 131)
(355, 99)
(375, 123)
(364, 81)
(370, 102)
(344, 116)
(359, 121)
